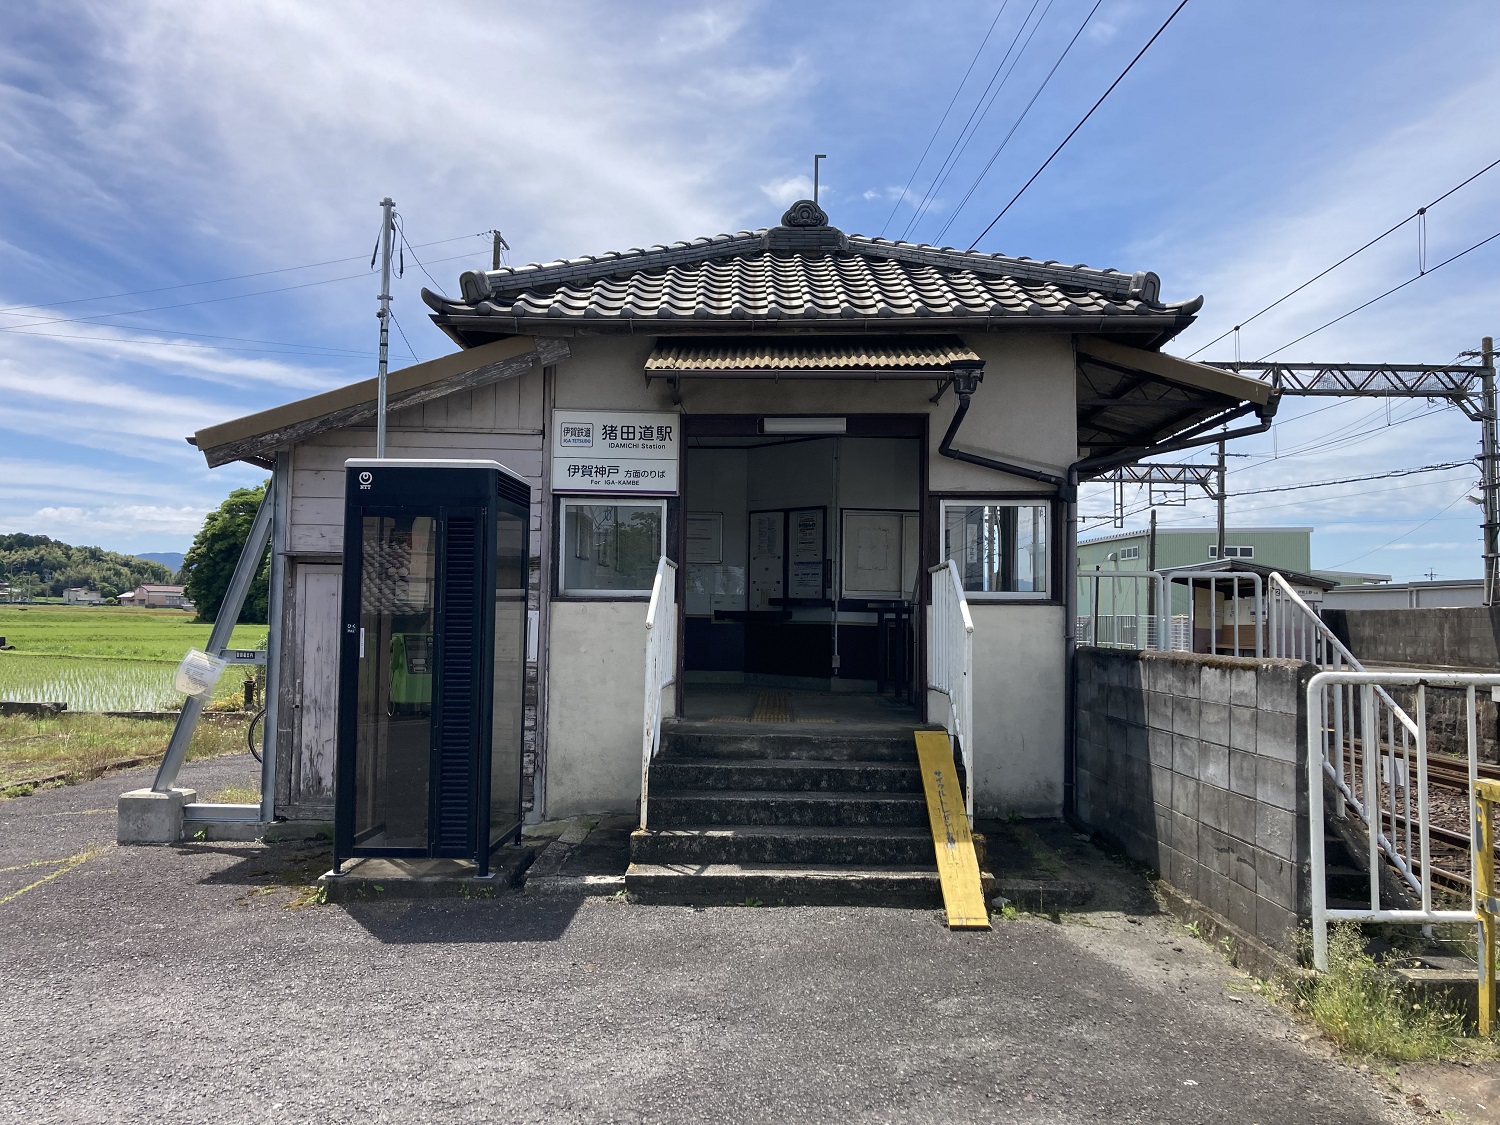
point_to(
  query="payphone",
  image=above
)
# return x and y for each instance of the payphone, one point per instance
(432, 666)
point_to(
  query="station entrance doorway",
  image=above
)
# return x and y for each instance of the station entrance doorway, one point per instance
(802, 556)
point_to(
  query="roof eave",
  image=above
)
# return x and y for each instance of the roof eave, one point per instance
(468, 327)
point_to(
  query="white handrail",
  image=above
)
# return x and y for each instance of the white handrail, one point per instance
(1386, 768)
(1120, 591)
(1213, 577)
(950, 664)
(661, 665)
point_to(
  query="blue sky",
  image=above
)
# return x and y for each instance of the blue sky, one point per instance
(156, 146)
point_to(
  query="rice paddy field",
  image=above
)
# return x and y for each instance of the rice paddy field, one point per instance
(102, 658)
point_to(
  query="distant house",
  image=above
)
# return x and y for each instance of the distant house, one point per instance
(158, 597)
(78, 595)
(127, 598)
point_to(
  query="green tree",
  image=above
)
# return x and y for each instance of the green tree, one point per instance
(210, 562)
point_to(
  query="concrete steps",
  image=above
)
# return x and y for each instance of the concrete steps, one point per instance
(788, 884)
(684, 808)
(786, 815)
(792, 776)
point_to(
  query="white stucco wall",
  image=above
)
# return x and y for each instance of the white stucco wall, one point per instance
(1019, 713)
(1023, 412)
(594, 707)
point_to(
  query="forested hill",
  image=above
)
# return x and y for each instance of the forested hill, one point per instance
(48, 567)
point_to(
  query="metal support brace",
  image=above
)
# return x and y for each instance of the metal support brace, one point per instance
(218, 640)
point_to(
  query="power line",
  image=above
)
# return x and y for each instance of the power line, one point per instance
(973, 187)
(942, 120)
(1420, 211)
(36, 320)
(961, 142)
(1383, 296)
(320, 353)
(1404, 534)
(1355, 480)
(221, 280)
(401, 330)
(1080, 124)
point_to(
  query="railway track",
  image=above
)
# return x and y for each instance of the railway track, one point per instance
(1450, 773)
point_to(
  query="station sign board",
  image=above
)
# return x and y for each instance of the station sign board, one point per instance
(615, 452)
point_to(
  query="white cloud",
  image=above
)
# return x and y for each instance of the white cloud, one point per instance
(786, 190)
(66, 522)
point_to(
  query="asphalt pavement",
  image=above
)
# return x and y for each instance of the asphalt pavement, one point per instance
(205, 983)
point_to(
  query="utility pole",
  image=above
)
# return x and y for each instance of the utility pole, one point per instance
(1489, 477)
(1219, 495)
(817, 157)
(387, 233)
(499, 245)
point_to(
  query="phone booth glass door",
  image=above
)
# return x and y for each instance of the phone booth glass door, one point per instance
(433, 668)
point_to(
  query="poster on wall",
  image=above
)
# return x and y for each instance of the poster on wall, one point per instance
(766, 558)
(874, 566)
(705, 537)
(615, 452)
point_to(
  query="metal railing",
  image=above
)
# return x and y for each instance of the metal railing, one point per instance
(1122, 609)
(1376, 759)
(661, 665)
(1237, 616)
(950, 664)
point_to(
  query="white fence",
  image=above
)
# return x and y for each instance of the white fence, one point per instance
(1123, 609)
(1376, 757)
(661, 665)
(950, 664)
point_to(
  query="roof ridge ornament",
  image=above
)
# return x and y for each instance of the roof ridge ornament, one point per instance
(804, 213)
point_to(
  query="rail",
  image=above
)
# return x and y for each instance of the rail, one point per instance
(1359, 739)
(661, 665)
(950, 664)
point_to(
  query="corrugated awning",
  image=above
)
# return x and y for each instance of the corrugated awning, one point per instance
(852, 357)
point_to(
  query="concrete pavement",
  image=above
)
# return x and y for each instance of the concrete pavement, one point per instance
(199, 983)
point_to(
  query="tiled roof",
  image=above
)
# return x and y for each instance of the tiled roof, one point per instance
(802, 353)
(814, 275)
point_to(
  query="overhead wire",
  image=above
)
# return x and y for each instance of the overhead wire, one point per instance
(1404, 534)
(961, 142)
(1382, 296)
(973, 187)
(1420, 211)
(1072, 132)
(35, 320)
(943, 120)
(221, 280)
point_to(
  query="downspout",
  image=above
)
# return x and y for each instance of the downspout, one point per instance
(966, 379)
(967, 376)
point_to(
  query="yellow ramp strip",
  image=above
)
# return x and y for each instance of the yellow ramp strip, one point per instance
(958, 867)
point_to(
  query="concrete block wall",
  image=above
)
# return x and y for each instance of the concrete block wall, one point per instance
(1196, 766)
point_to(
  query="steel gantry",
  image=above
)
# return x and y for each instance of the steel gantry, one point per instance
(1470, 387)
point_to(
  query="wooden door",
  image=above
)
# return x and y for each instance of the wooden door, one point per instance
(315, 686)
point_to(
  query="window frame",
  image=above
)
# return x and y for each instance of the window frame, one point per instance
(562, 547)
(1048, 569)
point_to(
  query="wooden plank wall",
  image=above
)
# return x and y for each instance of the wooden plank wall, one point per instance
(501, 422)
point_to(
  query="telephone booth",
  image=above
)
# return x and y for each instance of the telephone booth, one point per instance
(433, 661)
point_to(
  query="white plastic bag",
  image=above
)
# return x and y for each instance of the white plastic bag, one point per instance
(198, 673)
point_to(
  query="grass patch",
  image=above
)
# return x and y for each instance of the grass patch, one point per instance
(81, 746)
(107, 631)
(236, 795)
(1361, 1006)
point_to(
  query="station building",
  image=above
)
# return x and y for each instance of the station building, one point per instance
(805, 422)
